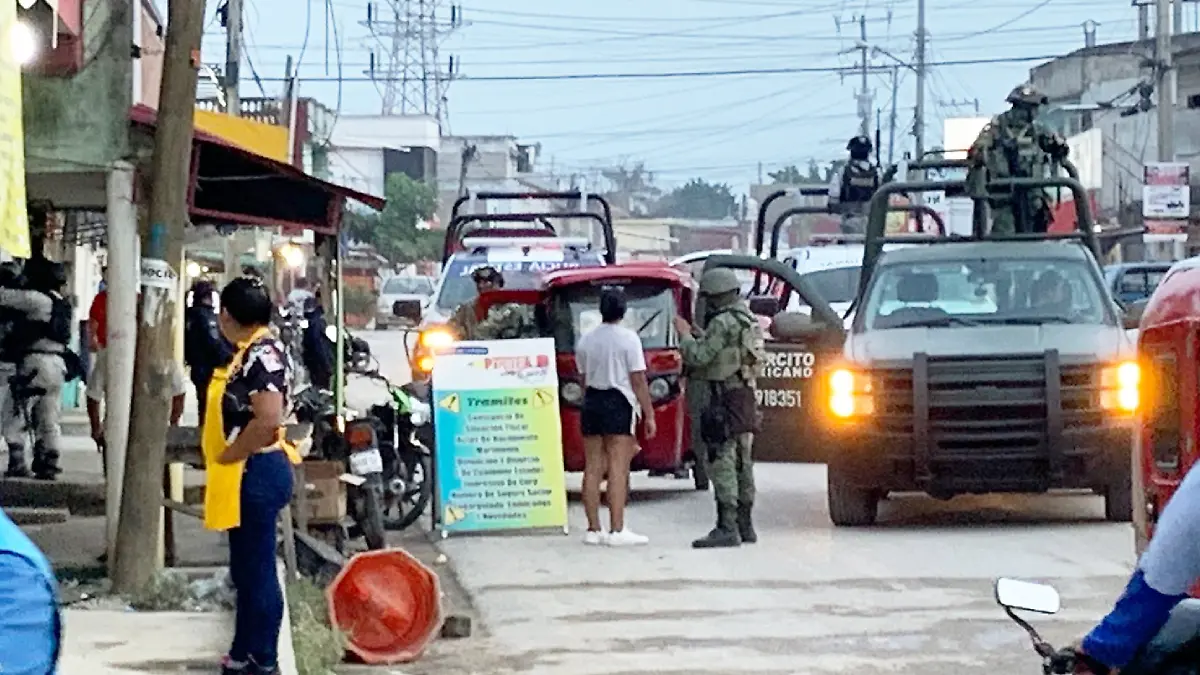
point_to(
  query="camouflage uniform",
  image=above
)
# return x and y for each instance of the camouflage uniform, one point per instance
(506, 322)
(727, 353)
(1015, 146)
(463, 321)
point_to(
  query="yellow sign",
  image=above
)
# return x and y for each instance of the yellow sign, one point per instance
(266, 140)
(543, 398)
(450, 403)
(14, 220)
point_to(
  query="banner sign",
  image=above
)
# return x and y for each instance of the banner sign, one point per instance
(498, 437)
(1165, 191)
(14, 220)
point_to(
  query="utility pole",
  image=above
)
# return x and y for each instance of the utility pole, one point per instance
(919, 67)
(892, 120)
(162, 257)
(1164, 82)
(233, 106)
(864, 95)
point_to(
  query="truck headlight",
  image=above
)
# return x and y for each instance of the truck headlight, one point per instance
(571, 392)
(1120, 385)
(850, 394)
(435, 338)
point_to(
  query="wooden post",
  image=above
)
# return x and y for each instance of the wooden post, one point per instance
(162, 257)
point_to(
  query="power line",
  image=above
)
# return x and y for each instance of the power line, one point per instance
(691, 73)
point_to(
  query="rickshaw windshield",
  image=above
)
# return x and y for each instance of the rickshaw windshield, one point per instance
(458, 286)
(650, 313)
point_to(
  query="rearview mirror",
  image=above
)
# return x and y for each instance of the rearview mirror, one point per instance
(1028, 596)
(795, 327)
(764, 305)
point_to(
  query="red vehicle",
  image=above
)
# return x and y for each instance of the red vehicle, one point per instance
(568, 307)
(1169, 351)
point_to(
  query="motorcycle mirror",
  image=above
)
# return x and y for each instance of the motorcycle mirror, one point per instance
(1028, 596)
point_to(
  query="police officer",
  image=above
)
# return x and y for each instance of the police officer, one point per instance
(204, 348)
(463, 322)
(41, 335)
(10, 277)
(1013, 145)
(316, 349)
(853, 186)
(725, 356)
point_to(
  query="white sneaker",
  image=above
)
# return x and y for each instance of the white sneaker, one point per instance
(595, 538)
(627, 537)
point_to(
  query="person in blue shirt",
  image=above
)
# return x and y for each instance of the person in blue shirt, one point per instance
(1154, 617)
(30, 625)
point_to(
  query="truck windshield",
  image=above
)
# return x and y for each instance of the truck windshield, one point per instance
(650, 313)
(835, 285)
(458, 287)
(985, 292)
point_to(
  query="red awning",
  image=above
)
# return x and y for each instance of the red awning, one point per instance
(233, 185)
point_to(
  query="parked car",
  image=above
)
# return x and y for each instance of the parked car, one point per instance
(402, 301)
(1131, 282)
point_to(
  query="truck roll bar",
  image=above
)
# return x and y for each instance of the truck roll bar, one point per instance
(777, 228)
(760, 223)
(877, 218)
(605, 218)
(457, 228)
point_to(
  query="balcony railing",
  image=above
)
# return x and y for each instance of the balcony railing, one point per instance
(265, 110)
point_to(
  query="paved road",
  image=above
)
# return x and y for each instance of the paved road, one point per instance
(911, 596)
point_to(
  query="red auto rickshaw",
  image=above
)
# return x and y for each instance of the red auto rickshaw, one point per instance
(567, 304)
(1169, 353)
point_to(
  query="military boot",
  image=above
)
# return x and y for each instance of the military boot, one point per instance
(725, 534)
(16, 462)
(745, 525)
(45, 462)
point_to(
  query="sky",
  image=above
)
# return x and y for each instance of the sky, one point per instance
(718, 127)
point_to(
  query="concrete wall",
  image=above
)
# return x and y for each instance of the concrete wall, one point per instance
(82, 121)
(148, 73)
(358, 168)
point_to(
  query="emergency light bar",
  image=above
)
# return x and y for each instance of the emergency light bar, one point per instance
(535, 243)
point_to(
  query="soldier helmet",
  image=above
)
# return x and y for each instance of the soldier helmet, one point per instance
(1027, 95)
(488, 273)
(859, 142)
(718, 281)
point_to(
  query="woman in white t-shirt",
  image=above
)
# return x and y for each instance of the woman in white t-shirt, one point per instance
(616, 395)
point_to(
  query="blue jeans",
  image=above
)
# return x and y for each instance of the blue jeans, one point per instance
(266, 489)
(1182, 627)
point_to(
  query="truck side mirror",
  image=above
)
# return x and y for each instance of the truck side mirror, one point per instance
(764, 305)
(796, 327)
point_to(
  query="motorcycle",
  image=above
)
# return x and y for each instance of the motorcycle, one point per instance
(404, 428)
(356, 446)
(1014, 594)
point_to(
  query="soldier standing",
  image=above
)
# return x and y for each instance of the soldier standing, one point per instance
(1013, 145)
(463, 321)
(724, 357)
(852, 187)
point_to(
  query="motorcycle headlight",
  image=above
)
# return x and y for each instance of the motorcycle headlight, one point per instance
(1120, 387)
(571, 392)
(435, 338)
(659, 389)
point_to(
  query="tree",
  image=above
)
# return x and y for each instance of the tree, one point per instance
(632, 187)
(788, 175)
(394, 232)
(698, 199)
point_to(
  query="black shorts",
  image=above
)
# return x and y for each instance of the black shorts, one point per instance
(606, 412)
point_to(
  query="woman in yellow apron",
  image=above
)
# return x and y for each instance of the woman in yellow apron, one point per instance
(249, 472)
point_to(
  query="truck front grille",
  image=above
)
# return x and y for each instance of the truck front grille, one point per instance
(994, 402)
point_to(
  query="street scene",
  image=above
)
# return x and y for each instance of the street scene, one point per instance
(420, 337)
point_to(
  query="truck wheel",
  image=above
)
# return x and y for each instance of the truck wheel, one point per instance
(851, 506)
(1118, 501)
(700, 476)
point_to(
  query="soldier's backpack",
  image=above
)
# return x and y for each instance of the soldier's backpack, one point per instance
(860, 180)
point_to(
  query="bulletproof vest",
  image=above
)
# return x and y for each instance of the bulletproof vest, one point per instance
(56, 329)
(738, 362)
(859, 181)
(1015, 152)
(197, 333)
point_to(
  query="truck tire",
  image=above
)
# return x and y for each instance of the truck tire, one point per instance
(850, 506)
(1118, 501)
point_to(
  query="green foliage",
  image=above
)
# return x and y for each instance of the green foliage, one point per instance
(698, 199)
(789, 175)
(359, 301)
(318, 646)
(394, 232)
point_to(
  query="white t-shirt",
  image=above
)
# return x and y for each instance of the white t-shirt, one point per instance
(606, 356)
(95, 383)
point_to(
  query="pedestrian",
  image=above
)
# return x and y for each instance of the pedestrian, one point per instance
(30, 623)
(725, 356)
(10, 348)
(204, 348)
(97, 408)
(248, 466)
(616, 396)
(98, 342)
(45, 363)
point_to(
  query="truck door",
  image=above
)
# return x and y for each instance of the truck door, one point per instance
(789, 382)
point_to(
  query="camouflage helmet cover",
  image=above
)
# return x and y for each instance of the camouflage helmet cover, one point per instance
(488, 273)
(1026, 94)
(859, 141)
(718, 281)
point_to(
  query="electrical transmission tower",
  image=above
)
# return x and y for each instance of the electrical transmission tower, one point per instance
(409, 74)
